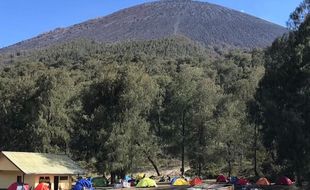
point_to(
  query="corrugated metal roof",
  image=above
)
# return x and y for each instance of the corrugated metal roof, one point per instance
(41, 163)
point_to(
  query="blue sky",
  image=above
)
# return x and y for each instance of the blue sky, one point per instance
(23, 19)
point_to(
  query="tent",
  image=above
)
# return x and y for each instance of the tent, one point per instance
(83, 184)
(128, 178)
(132, 182)
(100, 181)
(146, 182)
(263, 182)
(233, 180)
(242, 181)
(284, 181)
(140, 176)
(42, 186)
(18, 186)
(196, 181)
(180, 182)
(173, 180)
(221, 179)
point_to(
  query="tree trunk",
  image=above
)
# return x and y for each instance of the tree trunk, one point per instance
(151, 160)
(229, 168)
(299, 180)
(112, 177)
(241, 161)
(201, 144)
(199, 168)
(255, 150)
(154, 165)
(122, 174)
(298, 176)
(229, 159)
(183, 142)
(159, 122)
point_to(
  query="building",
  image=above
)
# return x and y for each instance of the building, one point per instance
(32, 168)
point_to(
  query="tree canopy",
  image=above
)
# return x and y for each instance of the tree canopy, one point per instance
(283, 101)
(125, 107)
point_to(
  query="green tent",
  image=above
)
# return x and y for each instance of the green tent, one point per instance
(99, 182)
(146, 182)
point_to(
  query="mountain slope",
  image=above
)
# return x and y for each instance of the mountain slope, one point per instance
(206, 23)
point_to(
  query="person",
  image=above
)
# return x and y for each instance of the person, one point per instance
(182, 171)
(168, 178)
(162, 179)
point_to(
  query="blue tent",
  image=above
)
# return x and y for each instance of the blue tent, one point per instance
(173, 180)
(233, 180)
(83, 183)
(128, 178)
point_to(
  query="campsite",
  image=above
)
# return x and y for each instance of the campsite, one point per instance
(60, 172)
(198, 184)
(155, 94)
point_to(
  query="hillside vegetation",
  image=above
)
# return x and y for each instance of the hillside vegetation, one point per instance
(118, 106)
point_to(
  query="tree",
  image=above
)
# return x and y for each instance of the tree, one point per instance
(202, 128)
(181, 105)
(49, 123)
(193, 98)
(126, 106)
(299, 15)
(115, 109)
(13, 96)
(283, 100)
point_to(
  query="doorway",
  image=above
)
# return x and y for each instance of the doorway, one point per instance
(56, 182)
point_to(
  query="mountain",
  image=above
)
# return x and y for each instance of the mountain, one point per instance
(209, 24)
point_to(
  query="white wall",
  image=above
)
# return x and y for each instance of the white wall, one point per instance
(8, 177)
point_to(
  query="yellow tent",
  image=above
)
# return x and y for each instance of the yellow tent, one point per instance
(180, 182)
(140, 176)
(146, 182)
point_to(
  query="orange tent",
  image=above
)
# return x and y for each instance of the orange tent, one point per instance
(42, 186)
(196, 181)
(263, 182)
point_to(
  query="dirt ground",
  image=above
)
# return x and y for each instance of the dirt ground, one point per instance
(167, 186)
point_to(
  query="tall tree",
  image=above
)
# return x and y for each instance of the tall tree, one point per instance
(115, 111)
(49, 122)
(283, 99)
(202, 128)
(192, 102)
(181, 105)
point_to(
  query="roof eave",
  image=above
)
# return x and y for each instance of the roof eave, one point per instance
(12, 162)
(60, 174)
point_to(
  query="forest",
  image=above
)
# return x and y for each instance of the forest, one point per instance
(123, 107)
